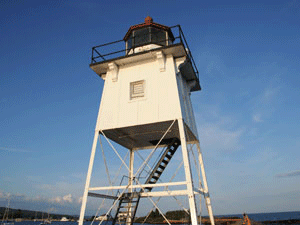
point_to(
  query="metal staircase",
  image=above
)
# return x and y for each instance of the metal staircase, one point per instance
(128, 202)
(162, 163)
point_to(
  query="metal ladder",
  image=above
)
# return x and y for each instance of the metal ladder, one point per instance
(128, 203)
(127, 208)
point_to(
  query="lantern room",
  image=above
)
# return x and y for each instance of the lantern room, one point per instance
(147, 35)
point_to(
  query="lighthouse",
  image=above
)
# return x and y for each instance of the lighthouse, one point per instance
(146, 107)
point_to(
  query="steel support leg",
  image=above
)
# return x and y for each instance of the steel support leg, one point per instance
(188, 174)
(205, 186)
(88, 179)
(130, 183)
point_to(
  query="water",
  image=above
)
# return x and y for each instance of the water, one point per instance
(272, 216)
(61, 223)
(275, 216)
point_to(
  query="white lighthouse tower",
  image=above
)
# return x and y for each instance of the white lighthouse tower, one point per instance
(146, 107)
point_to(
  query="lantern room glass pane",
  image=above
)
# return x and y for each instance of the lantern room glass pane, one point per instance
(130, 42)
(146, 36)
(141, 37)
(158, 36)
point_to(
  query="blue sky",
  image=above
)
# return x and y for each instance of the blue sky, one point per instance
(247, 113)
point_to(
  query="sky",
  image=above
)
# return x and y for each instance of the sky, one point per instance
(247, 113)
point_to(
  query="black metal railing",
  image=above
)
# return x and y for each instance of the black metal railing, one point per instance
(117, 49)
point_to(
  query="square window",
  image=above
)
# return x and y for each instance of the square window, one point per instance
(137, 89)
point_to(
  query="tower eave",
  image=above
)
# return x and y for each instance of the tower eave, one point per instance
(176, 50)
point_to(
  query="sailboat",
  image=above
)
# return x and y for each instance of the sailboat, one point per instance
(5, 219)
(46, 221)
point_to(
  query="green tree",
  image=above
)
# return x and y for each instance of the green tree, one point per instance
(18, 214)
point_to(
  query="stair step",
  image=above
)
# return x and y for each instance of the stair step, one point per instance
(127, 207)
(161, 167)
(165, 161)
(130, 201)
(168, 156)
(158, 172)
(155, 178)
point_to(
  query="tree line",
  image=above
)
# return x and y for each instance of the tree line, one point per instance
(28, 214)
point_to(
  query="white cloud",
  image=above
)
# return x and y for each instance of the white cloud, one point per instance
(60, 192)
(79, 200)
(257, 118)
(36, 199)
(68, 198)
(264, 104)
(56, 199)
(3, 195)
(219, 132)
(218, 138)
(60, 200)
(8, 149)
(269, 95)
